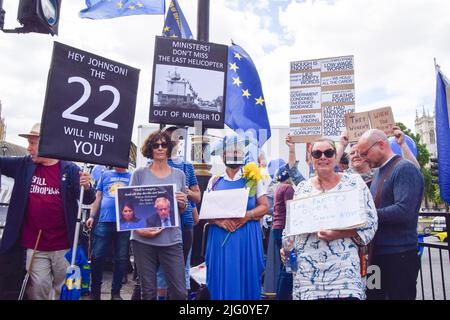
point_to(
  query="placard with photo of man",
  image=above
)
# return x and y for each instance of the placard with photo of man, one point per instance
(150, 206)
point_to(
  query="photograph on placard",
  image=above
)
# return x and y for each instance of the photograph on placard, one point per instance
(149, 206)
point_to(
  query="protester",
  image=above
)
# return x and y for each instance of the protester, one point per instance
(399, 138)
(234, 251)
(358, 165)
(294, 173)
(275, 280)
(328, 261)
(397, 188)
(343, 163)
(106, 234)
(160, 246)
(187, 218)
(45, 197)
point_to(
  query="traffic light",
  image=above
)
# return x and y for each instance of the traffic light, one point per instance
(434, 170)
(39, 16)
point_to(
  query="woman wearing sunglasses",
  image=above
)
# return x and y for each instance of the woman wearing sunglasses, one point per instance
(328, 261)
(155, 246)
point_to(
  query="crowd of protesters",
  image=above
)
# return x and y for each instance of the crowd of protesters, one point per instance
(43, 209)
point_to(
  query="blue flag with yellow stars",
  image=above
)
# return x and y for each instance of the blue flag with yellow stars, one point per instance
(175, 25)
(107, 9)
(245, 105)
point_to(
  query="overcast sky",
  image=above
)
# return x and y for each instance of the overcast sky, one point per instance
(394, 43)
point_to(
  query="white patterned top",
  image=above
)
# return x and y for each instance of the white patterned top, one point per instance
(330, 270)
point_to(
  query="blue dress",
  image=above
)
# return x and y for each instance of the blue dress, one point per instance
(233, 272)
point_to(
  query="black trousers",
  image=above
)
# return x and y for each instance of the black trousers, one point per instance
(12, 271)
(399, 273)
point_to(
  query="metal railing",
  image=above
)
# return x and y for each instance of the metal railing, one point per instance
(434, 265)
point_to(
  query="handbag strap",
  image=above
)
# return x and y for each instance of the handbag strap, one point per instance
(382, 179)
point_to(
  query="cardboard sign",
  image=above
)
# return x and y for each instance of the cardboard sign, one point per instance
(322, 93)
(150, 206)
(359, 122)
(356, 124)
(89, 108)
(383, 119)
(326, 211)
(189, 83)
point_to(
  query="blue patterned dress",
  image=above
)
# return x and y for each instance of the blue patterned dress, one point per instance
(233, 271)
(331, 270)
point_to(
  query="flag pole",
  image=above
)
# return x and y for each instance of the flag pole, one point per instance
(78, 223)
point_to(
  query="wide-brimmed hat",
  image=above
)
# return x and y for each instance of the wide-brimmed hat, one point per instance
(34, 132)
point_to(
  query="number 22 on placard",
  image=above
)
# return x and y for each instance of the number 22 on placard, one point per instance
(68, 113)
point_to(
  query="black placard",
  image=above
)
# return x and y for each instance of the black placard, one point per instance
(189, 83)
(89, 108)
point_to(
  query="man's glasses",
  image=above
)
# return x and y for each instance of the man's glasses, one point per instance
(317, 154)
(365, 153)
(163, 145)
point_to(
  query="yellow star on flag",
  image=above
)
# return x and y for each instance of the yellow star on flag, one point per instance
(237, 56)
(260, 100)
(237, 81)
(233, 67)
(120, 4)
(166, 28)
(140, 5)
(245, 93)
(131, 7)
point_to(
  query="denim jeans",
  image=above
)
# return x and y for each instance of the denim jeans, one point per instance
(104, 234)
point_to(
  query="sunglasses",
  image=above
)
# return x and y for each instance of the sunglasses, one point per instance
(317, 154)
(163, 145)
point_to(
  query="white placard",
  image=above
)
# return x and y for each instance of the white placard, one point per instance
(224, 204)
(326, 211)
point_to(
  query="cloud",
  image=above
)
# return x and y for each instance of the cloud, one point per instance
(394, 43)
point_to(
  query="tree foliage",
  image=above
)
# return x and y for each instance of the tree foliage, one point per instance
(423, 157)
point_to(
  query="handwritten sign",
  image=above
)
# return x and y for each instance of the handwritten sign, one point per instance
(326, 211)
(382, 119)
(359, 122)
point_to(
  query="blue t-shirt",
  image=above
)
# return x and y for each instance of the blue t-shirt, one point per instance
(108, 184)
(191, 180)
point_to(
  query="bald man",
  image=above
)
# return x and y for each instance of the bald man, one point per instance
(397, 188)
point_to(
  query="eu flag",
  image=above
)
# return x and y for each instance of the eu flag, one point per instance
(106, 9)
(245, 105)
(443, 133)
(175, 25)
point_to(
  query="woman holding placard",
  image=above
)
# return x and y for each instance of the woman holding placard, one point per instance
(328, 260)
(234, 252)
(160, 246)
